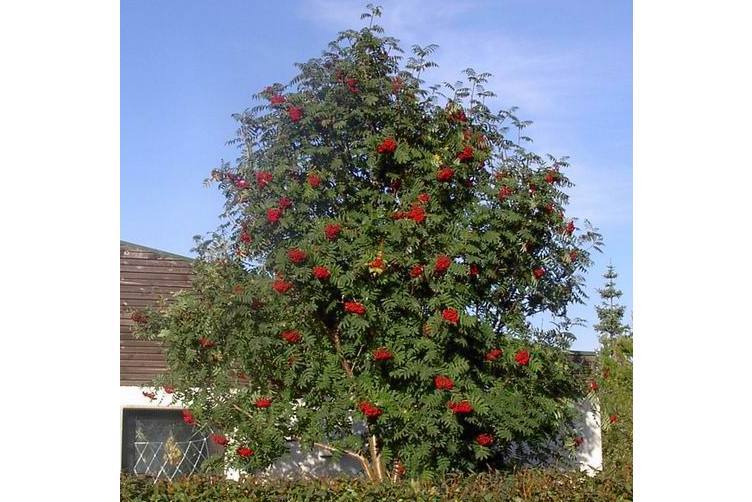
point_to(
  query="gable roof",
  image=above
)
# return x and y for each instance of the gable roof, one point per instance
(154, 250)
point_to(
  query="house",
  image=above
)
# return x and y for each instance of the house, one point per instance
(154, 438)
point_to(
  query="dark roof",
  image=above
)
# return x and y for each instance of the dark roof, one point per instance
(154, 250)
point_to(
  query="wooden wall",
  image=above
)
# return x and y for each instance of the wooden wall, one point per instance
(146, 275)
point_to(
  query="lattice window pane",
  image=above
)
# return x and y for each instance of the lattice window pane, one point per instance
(158, 443)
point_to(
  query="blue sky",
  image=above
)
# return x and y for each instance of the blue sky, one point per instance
(187, 65)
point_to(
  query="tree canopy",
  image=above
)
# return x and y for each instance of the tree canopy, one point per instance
(383, 247)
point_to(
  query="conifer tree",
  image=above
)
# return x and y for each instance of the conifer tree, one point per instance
(610, 313)
(613, 384)
(369, 290)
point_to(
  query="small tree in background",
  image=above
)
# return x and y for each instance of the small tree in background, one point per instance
(369, 290)
(613, 384)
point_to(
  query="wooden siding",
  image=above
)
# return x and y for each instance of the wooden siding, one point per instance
(146, 276)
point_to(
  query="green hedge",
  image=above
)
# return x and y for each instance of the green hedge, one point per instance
(541, 485)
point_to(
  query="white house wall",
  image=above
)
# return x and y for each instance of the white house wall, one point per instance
(318, 462)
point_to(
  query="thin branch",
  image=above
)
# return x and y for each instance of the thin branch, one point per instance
(363, 461)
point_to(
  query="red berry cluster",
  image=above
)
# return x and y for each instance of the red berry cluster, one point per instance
(297, 256)
(484, 439)
(321, 273)
(281, 286)
(273, 214)
(442, 382)
(522, 357)
(188, 417)
(352, 85)
(355, 308)
(220, 439)
(445, 174)
(276, 99)
(263, 178)
(205, 343)
(466, 155)
(504, 192)
(450, 315)
(460, 408)
(332, 231)
(291, 336)
(263, 402)
(494, 354)
(442, 264)
(382, 354)
(295, 113)
(389, 145)
(369, 409)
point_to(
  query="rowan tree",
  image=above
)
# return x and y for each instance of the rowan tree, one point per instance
(383, 247)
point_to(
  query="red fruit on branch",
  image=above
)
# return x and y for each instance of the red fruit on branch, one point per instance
(569, 228)
(284, 203)
(273, 215)
(474, 270)
(504, 192)
(416, 271)
(484, 439)
(522, 357)
(442, 264)
(352, 85)
(593, 385)
(205, 342)
(291, 336)
(389, 145)
(297, 256)
(466, 155)
(188, 417)
(417, 214)
(139, 318)
(494, 354)
(276, 99)
(397, 84)
(263, 178)
(332, 231)
(245, 237)
(450, 315)
(458, 116)
(355, 308)
(321, 273)
(538, 273)
(220, 439)
(613, 419)
(382, 354)
(445, 174)
(424, 198)
(295, 113)
(313, 180)
(442, 382)
(244, 451)
(369, 409)
(263, 402)
(460, 408)
(578, 441)
(281, 286)
(241, 184)
(552, 176)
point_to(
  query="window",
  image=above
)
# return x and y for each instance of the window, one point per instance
(158, 443)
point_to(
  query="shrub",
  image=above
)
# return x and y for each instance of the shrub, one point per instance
(528, 485)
